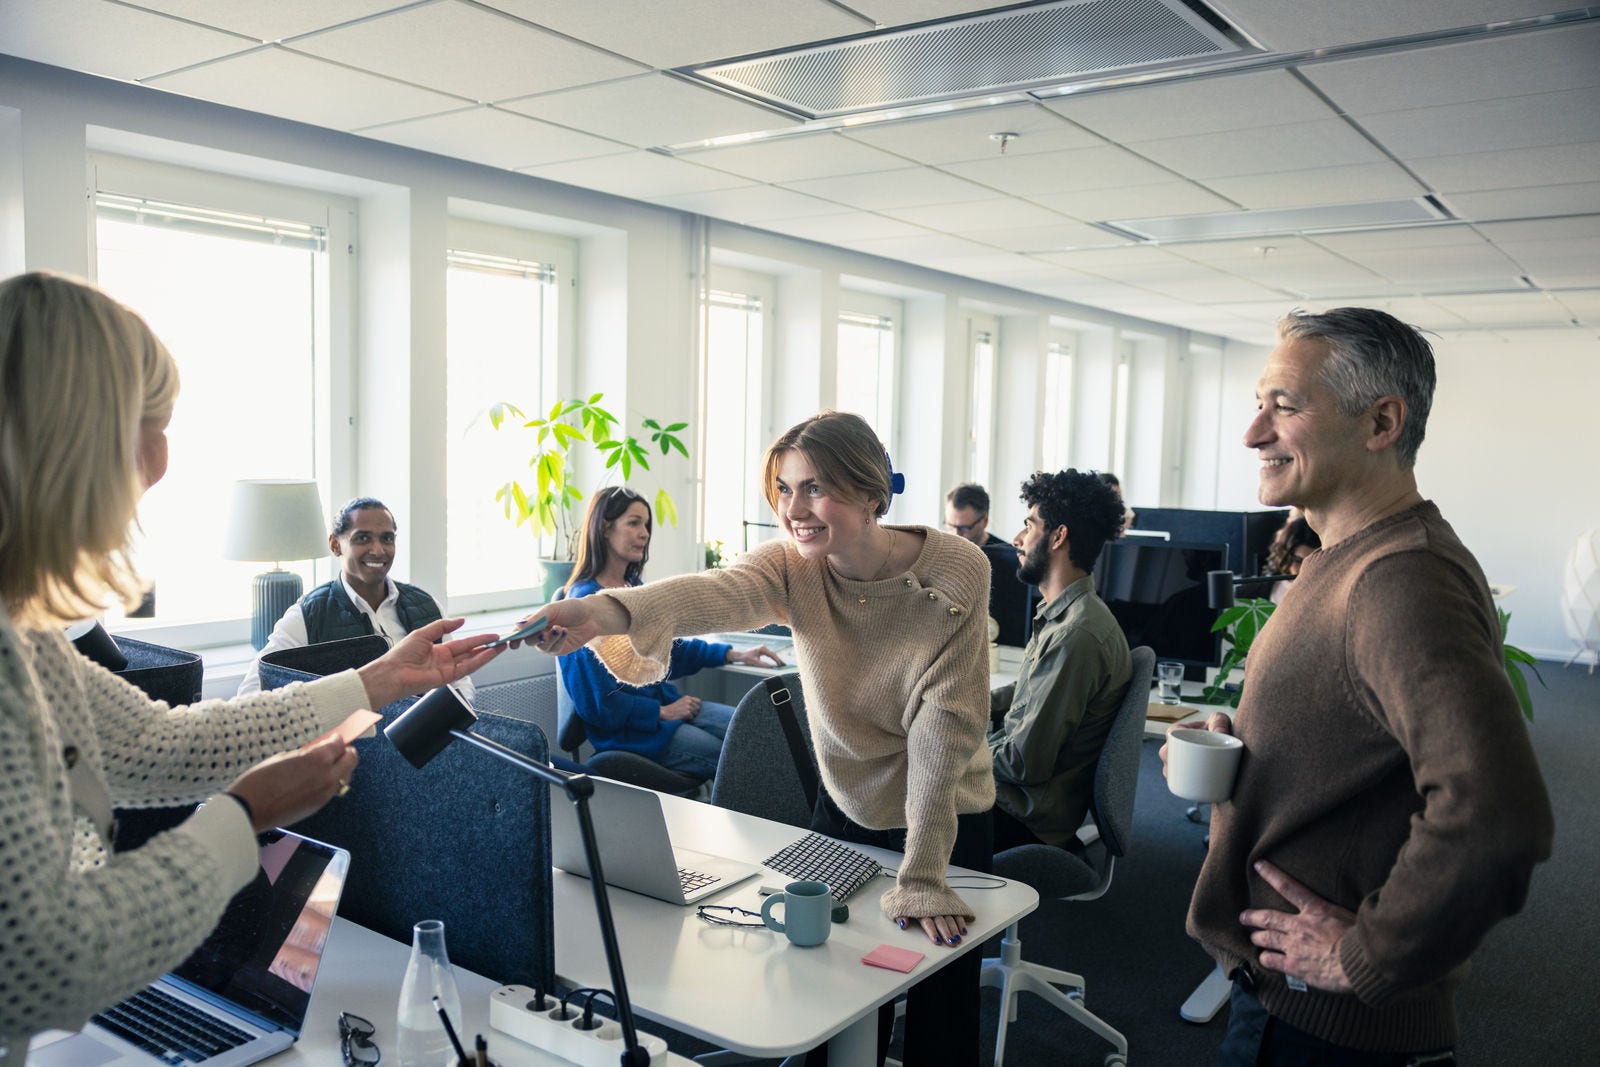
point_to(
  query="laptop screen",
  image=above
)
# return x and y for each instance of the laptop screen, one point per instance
(264, 954)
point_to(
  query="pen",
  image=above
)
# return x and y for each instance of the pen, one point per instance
(450, 1031)
(482, 1051)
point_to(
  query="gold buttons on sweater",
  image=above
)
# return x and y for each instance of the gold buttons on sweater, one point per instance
(933, 596)
(863, 600)
(955, 611)
(908, 583)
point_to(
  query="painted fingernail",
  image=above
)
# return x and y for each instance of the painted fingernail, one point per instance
(963, 929)
(956, 940)
(902, 924)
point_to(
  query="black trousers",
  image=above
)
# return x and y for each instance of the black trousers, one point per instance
(1256, 1038)
(942, 1009)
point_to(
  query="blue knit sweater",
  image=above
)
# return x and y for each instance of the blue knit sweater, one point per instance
(628, 717)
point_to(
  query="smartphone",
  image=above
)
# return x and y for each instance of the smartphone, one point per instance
(523, 634)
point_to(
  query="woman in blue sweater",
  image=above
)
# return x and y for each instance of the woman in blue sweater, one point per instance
(656, 721)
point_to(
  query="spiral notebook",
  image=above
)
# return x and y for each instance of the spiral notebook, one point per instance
(816, 858)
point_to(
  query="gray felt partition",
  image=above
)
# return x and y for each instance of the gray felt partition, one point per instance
(466, 839)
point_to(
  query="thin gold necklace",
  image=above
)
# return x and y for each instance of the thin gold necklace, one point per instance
(886, 558)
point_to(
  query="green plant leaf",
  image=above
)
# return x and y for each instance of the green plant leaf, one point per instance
(675, 443)
(675, 427)
(666, 510)
(1519, 686)
(652, 424)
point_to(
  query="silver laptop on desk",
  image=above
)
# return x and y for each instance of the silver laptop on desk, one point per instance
(635, 850)
(243, 994)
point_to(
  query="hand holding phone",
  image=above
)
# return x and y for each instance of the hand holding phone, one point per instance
(532, 629)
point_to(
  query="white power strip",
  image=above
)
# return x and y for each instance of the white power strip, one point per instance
(511, 1011)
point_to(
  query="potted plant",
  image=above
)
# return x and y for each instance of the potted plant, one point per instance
(568, 428)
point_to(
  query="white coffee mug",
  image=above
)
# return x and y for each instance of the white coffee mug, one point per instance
(1201, 764)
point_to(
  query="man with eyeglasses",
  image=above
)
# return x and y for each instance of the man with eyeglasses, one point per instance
(966, 514)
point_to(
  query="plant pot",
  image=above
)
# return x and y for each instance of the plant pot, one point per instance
(556, 573)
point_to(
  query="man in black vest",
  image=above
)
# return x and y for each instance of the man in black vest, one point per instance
(966, 514)
(363, 600)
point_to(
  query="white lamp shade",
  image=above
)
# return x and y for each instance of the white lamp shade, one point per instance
(275, 519)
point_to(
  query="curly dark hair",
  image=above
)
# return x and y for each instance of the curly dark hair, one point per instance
(1083, 503)
(1281, 557)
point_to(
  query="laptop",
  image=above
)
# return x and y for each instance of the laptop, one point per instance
(243, 994)
(635, 849)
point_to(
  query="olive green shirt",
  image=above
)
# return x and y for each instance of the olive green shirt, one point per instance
(1058, 713)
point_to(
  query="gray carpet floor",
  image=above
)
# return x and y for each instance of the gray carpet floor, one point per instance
(1532, 997)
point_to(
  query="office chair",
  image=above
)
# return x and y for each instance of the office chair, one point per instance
(766, 769)
(433, 843)
(167, 674)
(628, 767)
(1057, 872)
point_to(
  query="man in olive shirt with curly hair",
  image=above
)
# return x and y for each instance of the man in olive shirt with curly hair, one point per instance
(1050, 725)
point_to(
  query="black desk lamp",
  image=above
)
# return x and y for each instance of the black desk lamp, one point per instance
(423, 731)
(1221, 586)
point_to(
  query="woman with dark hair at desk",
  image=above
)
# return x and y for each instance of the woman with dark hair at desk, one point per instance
(655, 720)
(88, 393)
(891, 635)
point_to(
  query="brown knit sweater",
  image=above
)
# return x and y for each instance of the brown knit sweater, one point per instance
(1387, 768)
(895, 674)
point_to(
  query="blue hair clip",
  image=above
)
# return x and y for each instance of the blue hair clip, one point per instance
(897, 481)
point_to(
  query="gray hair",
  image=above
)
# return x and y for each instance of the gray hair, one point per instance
(1372, 354)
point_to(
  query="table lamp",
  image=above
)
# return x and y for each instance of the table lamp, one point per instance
(272, 520)
(424, 730)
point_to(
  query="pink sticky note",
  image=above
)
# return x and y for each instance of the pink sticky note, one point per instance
(891, 958)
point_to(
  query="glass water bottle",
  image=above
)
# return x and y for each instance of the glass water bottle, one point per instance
(422, 1041)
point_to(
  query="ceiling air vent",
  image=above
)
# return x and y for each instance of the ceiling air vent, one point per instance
(1010, 50)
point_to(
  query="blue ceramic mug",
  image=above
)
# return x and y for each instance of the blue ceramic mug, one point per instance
(807, 912)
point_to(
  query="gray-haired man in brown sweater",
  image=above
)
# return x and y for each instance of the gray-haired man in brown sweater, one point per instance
(1388, 810)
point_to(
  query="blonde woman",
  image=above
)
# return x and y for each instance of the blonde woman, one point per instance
(87, 395)
(891, 636)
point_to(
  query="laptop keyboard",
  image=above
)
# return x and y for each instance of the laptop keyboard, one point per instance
(170, 1029)
(690, 880)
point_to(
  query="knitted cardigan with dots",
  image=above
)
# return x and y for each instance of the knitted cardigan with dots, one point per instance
(896, 680)
(80, 927)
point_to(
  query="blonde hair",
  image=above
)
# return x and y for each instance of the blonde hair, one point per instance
(79, 375)
(844, 452)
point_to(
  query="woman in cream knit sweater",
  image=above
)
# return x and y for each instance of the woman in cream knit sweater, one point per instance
(88, 391)
(891, 633)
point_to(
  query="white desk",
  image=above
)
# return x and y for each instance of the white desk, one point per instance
(361, 974)
(750, 990)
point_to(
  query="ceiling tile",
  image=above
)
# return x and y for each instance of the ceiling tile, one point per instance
(1195, 106)
(792, 159)
(1543, 61)
(458, 48)
(697, 31)
(1489, 125)
(1426, 268)
(1553, 230)
(1212, 288)
(277, 81)
(916, 249)
(751, 203)
(1505, 309)
(499, 138)
(270, 22)
(640, 175)
(1056, 238)
(651, 110)
(111, 40)
(964, 135)
(893, 188)
(1479, 171)
(1003, 213)
(1353, 184)
(1262, 150)
(1577, 199)
(1298, 25)
(1136, 201)
(1584, 305)
(836, 229)
(1038, 175)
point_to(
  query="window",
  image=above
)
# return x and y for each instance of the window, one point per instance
(503, 343)
(980, 439)
(240, 290)
(731, 424)
(865, 383)
(1055, 444)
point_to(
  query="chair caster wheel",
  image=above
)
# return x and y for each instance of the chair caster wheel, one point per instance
(1076, 994)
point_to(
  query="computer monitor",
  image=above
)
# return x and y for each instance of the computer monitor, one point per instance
(1157, 591)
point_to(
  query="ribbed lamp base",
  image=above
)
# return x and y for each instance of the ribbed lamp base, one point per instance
(271, 595)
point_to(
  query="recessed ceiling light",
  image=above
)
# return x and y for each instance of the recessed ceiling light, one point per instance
(1331, 218)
